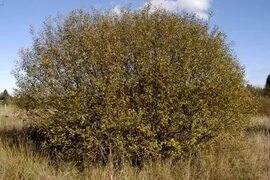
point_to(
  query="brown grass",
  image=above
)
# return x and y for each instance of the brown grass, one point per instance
(250, 160)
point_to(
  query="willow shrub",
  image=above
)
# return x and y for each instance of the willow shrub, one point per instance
(140, 86)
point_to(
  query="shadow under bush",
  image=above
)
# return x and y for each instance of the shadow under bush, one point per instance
(14, 136)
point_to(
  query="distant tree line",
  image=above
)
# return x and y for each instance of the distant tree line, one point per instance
(261, 91)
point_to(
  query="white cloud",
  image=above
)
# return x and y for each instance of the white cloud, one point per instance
(117, 9)
(199, 7)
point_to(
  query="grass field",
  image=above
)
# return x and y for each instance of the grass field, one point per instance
(18, 160)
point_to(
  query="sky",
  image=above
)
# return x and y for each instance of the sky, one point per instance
(246, 24)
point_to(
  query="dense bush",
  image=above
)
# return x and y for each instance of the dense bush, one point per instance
(263, 105)
(262, 96)
(140, 85)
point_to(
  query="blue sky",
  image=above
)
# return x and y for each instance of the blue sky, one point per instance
(246, 24)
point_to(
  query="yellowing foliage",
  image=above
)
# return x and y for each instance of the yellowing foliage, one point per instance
(140, 86)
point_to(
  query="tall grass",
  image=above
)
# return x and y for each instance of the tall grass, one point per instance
(251, 160)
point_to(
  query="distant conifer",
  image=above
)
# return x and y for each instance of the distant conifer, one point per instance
(5, 97)
(267, 86)
(268, 81)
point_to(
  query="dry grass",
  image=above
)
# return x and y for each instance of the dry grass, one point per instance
(18, 160)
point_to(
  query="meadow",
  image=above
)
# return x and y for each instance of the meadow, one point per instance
(248, 159)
